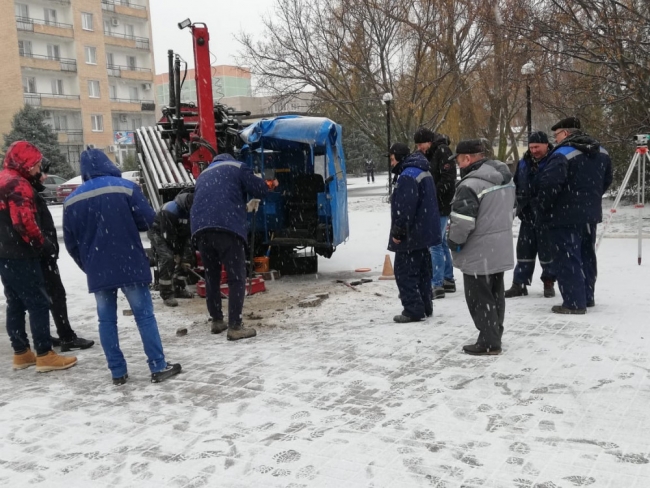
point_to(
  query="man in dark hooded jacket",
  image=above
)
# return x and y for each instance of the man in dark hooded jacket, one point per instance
(414, 229)
(102, 221)
(220, 230)
(22, 246)
(170, 237)
(436, 149)
(570, 189)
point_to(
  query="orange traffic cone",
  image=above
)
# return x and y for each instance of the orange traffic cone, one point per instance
(387, 273)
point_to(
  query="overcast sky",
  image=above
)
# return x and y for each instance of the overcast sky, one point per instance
(225, 20)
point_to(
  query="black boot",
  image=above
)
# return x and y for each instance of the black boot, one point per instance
(121, 380)
(76, 343)
(168, 372)
(405, 319)
(449, 286)
(56, 342)
(568, 311)
(476, 350)
(549, 289)
(516, 290)
(240, 332)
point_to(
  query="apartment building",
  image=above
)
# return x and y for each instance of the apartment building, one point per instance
(88, 64)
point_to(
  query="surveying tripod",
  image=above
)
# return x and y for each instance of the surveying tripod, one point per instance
(640, 157)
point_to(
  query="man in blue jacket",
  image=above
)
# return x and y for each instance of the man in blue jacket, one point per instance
(102, 220)
(220, 230)
(415, 227)
(533, 238)
(570, 189)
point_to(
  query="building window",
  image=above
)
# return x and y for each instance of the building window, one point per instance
(60, 122)
(29, 84)
(97, 122)
(93, 88)
(91, 55)
(131, 62)
(22, 11)
(57, 87)
(54, 52)
(50, 16)
(136, 123)
(112, 92)
(129, 31)
(25, 48)
(86, 21)
(133, 93)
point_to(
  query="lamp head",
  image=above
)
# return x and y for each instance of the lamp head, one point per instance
(387, 98)
(185, 24)
(528, 68)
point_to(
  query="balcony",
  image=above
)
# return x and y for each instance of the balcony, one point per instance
(38, 61)
(125, 7)
(131, 105)
(46, 27)
(70, 136)
(123, 40)
(129, 72)
(50, 100)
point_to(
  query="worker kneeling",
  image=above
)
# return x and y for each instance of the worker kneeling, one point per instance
(170, 238)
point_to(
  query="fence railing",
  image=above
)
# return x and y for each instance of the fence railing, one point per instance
(66, 64)
(110, 5)
(146, 105)
(27, 23)
(140, 42)
(34, 99)
(74, 135)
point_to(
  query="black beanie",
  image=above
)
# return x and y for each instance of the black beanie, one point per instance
(423, 135)
(400, 151)
(538, 137)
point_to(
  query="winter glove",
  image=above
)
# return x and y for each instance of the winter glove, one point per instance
(253, 205)
(49, 250)
(186, 266)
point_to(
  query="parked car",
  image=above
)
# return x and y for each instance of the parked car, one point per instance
(51, 183)
(133, 176)
(68, 187)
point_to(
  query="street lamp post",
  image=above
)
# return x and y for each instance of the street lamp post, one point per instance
(527, 70)
(387, 98)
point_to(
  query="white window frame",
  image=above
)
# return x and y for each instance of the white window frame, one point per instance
(25, 48)
(29, 82)
(112, 92)
(85, 25)
(54, 52)
(57, 87)
(50, 16)
(60, 122)
(20, 9)
(90, 52)
(133, 90)
(129, 31)
(134, 65)
(110, 60)
(97, 122)
(94, 89)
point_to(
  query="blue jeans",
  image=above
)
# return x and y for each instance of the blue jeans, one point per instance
(443, 268)
(25, 291)
(139, 299)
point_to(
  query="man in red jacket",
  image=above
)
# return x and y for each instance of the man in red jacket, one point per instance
(22, 245)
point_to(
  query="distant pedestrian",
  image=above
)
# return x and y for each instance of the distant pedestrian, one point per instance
(414, 229)
(480, 238)
(22, 247)
(533, 238)
(67, 338)
(171, 240)
(436, 149)
(219, 228)
(571, 186)
(370, 170)
(102, 221)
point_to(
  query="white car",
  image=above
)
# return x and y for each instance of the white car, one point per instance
(133, 176)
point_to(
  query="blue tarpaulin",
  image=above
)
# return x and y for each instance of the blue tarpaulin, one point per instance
(315, 131)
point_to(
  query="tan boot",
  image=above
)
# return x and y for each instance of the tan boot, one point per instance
(24, 360)
(241, 333)
(52, 362)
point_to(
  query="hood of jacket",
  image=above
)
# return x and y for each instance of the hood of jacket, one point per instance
(21, 157)
(95, 163)
(438, 140)
(184, 201)
(494, 172)
(582, 142)
(223, 157)
(413, 160)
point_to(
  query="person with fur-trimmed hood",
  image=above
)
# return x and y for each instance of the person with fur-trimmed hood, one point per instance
(480, 238)
(415, 227)
(436, 149)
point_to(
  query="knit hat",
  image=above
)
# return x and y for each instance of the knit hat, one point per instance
(400, 151)
(423, 135)
(568, 123)
(538, 137)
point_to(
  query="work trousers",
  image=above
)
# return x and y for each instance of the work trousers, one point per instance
(533, 242)
(219, 248)
(413, 278)
(485, 297)
(574, 262)
(443, 268)
(169, 277)
(370, 173)
(58, 302)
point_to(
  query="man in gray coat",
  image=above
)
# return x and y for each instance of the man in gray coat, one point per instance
(480, 238)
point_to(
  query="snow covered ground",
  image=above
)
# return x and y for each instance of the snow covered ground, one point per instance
(340, 396)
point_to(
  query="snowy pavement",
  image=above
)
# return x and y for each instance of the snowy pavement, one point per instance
(340, 396)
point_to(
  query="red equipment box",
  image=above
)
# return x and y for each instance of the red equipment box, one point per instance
(256, 285)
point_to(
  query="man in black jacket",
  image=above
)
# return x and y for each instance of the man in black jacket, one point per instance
(436, 149)
(68, 340)
(170, 238)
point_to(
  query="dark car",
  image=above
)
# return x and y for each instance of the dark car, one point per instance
(68, 187)
(51, 183)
